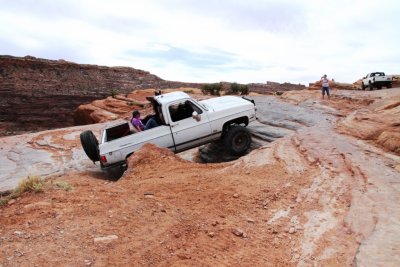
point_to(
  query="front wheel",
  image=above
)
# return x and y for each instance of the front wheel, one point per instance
(237, 140)
(371, 87)
(362, 86)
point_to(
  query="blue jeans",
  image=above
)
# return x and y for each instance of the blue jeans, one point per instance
(325, 89)
(151, 123)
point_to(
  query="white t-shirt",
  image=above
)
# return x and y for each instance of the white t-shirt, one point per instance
(325, 82)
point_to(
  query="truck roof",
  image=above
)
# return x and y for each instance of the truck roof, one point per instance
(169, 97)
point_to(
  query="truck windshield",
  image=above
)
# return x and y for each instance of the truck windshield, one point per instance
(183, 110)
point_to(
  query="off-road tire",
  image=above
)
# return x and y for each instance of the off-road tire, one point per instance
(90, 145)
(237, 140)
(362, 86)
(389, 85)
(370, 86)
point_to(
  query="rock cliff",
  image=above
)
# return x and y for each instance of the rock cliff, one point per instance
(38, 94)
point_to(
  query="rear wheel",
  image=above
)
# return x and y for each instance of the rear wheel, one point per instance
(90, 145)
(237, 140)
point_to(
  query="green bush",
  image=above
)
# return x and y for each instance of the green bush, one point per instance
(114, 93)
(236, 89)
(212, 89)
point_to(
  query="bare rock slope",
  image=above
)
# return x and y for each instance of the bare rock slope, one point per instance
(316, 196)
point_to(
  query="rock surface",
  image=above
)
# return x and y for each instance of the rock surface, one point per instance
(316, 197)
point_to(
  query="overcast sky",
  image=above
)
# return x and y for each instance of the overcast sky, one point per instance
(211, 40)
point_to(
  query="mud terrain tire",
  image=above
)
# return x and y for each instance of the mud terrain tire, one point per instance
(90, 145)
(370, 86)
(237, 140)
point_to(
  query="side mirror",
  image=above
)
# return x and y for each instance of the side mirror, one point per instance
(196, 116)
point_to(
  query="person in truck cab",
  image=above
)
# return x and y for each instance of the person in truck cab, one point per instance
(138, 124)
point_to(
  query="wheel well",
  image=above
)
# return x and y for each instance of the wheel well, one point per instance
(238, 121)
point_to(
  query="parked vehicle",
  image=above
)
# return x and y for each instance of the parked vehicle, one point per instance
(376, 80)
(184, 123)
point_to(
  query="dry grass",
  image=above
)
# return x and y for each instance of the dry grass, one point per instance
(33, 184)
(63, 185)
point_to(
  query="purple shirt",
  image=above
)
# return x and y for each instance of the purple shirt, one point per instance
(138, 123)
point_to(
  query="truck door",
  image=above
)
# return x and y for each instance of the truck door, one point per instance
(188, 131)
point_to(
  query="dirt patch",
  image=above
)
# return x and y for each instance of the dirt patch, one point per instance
(186, 214)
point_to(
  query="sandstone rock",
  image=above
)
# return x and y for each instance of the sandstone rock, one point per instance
(18, 233)
(250, 220)
(334, 85)
(379, 124)
(107, 238)
(238, 232)
(38, 205)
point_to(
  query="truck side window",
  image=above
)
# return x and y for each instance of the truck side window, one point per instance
(183, 110)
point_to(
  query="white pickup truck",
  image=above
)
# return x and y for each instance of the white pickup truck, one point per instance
(377, 80)
(184, 123)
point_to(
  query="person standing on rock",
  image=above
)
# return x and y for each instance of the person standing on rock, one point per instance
(325, 86)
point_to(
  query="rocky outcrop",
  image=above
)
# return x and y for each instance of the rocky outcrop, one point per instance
(334, 85)
(40, 94)
(274, 87)
(396, 80)
(379, 123)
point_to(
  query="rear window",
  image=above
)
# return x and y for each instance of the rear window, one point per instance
(117, 132)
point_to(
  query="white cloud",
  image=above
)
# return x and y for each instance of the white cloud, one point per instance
(208, 41)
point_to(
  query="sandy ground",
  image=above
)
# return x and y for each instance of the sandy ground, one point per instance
(315, 197)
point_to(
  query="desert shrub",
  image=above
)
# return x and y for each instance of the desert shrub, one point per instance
(63, 185)
(236, 89)
(244, 90)
(31, 184)
(278, 93)
(212, 89)
(4, 201)
(114, 93)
